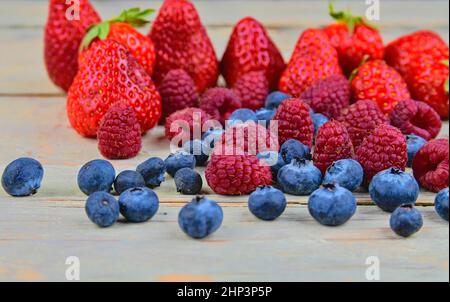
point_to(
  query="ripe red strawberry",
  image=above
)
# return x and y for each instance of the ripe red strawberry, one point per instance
(109, 73)
(181, 42)
(251, 49)
(314, 58)
(354, 39)
(63, 39)
(220, 103)
(119, 134)
(252, 89)
(378, 82)
(187, 124)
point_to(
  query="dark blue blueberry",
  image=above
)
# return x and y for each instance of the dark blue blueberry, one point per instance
(406, 220)
(188, 181)
(127, 180)
(179, 160)
(294, 149)
(414, 144)
(200, 218)
(441, 204)
(241, 116)
(332, 205)
(274, 99)
(102, 209)
(199, 149)
(22, 177)
(300, 177)
(211, 136)
(138, 204)
(267, 203)
(97, 175)
(274, 160)
(391, 188)
(265, 115)
(153, 170)
(347, 173)
(319, 120)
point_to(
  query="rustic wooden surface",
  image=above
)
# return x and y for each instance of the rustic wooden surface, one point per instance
(37, 234)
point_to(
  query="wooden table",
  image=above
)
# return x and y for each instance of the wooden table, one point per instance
(37, 234)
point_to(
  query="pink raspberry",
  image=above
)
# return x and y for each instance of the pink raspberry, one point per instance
(252, 89)
(178, 122)
(220, 103)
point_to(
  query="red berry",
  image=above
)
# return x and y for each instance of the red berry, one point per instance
(328, 96)
(361, 119)
(119, 134)
(383, 149)
(294, 122)
(430, 165)
(413, 117)
(237, 174)
(252, 89)
(332, 143)
(220, 103)
(186, 124)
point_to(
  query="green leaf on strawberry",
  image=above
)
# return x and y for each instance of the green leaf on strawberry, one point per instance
(446, 63)
(347, 18)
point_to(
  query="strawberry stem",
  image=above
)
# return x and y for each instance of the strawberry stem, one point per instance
(347, 18)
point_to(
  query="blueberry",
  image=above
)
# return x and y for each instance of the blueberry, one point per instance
(200, 218)
(138, 204)
(414, 144)
(406, 220)
(96, 175)
(22, 177)
(318, 120)
(294, 149)
(179, 160)
(127, 180)
(274, 160)
(188, 181)
(441, 203)
(332, 205)
(241, 116)
(199, 149)
(267, 203)
(391, 188)
(300, 177)
(347, 173)
(211, 136)
(265, 115)
(153, 170)
(102, 209)
(274, 99)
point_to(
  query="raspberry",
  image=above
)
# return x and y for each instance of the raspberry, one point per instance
(430, 165)
(236, 174)
(328, 96)
(220, 103)
(252, 89)
(119, 134)
(413, 117)
(361, 119)
(294, 122)
(178, 92)
(332, 143)
(384, 148)
(176, 124)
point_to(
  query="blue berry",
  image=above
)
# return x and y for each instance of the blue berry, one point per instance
(347, 173)
(153, 170)
(138, 204)
(274, 160)
(318, 120)
(406, 220)
(414, 143)
(274, 99)
(391, 188)
(267, 203)
(294, 149)
(97, 175)
(241, 116)
(300, 177)
(102, 209)
(332, 205)
(188, 181)
(265, 115)
(199, 149)
(22, 177)
(179, 160)
(441, 204)
(212, 136)
(127, 180)
(200, 218)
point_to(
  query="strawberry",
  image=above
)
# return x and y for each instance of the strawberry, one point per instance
(251, 49)
(378, 82)
(122, 29)
(110, 73)
(63, 38)
(314, 58)
(181, 42)
(354, 39)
